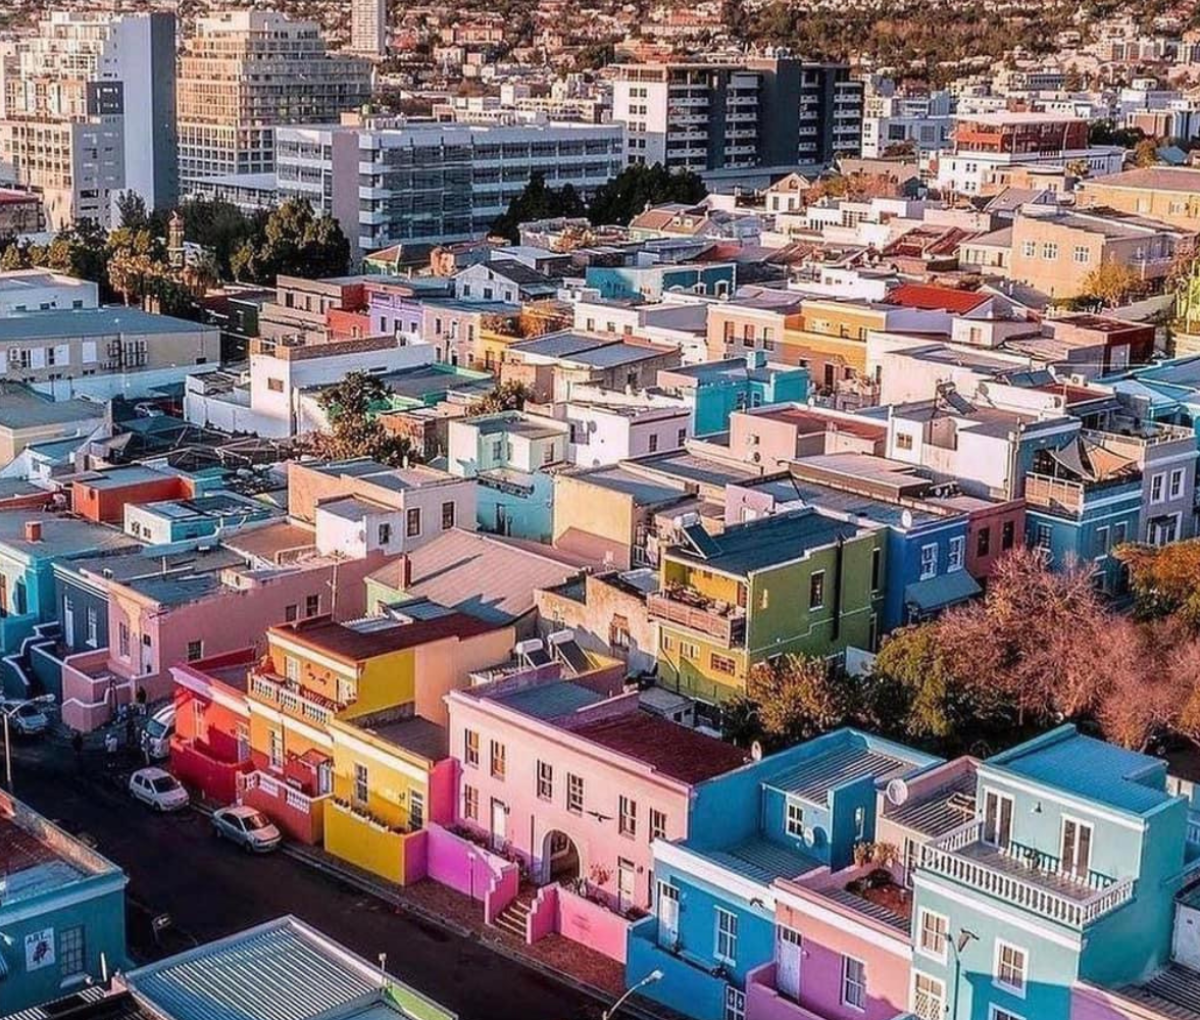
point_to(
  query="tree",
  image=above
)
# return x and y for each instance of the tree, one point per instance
(1165, 580)
(131, 209)
(797, 698)
(354, 430)
(505, 396)
(537, 202)
(79, 250)
(1145, 152)
(639, 186)
(16, 256)
(1114, 283)
(293, 242)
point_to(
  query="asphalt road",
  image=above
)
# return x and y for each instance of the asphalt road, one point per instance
(209, 889)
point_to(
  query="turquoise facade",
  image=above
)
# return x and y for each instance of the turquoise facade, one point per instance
(522, 507)
(623, 283)
(1024, 884)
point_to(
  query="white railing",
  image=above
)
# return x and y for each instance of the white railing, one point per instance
(1193, 830)
(271, 787)
(944, 858)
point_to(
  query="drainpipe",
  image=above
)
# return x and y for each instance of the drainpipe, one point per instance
(838, 560)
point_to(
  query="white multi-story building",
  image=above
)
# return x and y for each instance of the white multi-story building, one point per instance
(391, 181)
(87, 111)
(42, 290)
(921, 122)
(244, 72)
(368, 27)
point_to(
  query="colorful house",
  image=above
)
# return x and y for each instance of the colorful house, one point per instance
(716, 389)
(651, 281)
(796, 813)
(795, 583)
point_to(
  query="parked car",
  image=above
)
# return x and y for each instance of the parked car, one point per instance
(156, 737)
(147, 410)
(158, 789)
(250, 829)
(28, 719)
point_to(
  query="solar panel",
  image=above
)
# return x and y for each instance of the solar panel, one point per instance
(700, 540)
(574, 656)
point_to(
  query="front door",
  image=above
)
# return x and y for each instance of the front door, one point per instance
(1076, 848)
(499, 824)
(997, 819)
(787, 955)
(625, 884)
(68, 621)
(668, 915)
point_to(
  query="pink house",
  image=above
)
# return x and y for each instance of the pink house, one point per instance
(217, 606)
(575, 780)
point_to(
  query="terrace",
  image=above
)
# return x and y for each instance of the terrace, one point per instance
(696, 611)
(292, 698)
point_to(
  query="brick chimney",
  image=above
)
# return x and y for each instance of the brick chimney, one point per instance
(33, 531)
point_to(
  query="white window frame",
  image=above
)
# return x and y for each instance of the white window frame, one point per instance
(1002, 1013)
(726, 932)
(735, 1004)
(789, 819)
(957, 558)
(920, 946)
(1175, 483)
(941, 998)
(1017, 990)
(861, 984)
(929, 564)
(1079, 823)
(1158, 487)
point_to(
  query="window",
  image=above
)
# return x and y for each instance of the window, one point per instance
(876, 568)
(1081, 254)
(932, 934)
(470, 803)
(93, 627)
(1157, 488)
(574, 793)
(929, 997)
(275, 750)
(471, 748)
(1007, 534)
(860, 823)
(681, 438)
(195, 650)
(545, 780)
(723, 664)
(1175, 489)
(929, 561)
(385, 534)
(958, 554)
(997, 819)
(627, 817)
(1029, 249)
(548, 453)
(1010, 968)
(725, 949)
(416, 809)
(291, 612)
(1049, 251)
(412, 522)
(735, 1004)
(687, 650)
(291, 668)
(854, 983)
(983, 542)
(312, 605)
(71, 951)
(360, 783)
(1042, 537)
(447, 516)
(795, 819)
(904, 441)
(658, 824)
(998, 1013)
(816, 590)
(275, 385)
(123, 639)
(652, 443)
(498, 760)
(1076, 857)
(1120, 533)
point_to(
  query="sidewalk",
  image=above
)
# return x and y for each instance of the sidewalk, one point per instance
(555, 956)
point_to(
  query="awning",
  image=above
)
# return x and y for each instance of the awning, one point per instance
(939, 592)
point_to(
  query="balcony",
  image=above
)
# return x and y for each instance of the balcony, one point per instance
(298, 814)
(688, 608)
(764, 1000)
(292, 699)
(1036, 886)
(1063, 495)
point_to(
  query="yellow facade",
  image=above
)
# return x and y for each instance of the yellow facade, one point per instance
(700, 668)
(366, 844)
(718, 587)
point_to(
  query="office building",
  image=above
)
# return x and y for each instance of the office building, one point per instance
(402, 182)
(916, 124)
(87, 110)
(243, 73)
(763, 112)
(368, 27)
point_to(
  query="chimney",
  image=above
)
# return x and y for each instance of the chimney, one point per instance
(33, 531)
(405, 572)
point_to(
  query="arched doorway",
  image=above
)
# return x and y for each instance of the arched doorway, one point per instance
(560, 858)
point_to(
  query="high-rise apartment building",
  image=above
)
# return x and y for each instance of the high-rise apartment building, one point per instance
(391, 181)
(772, 111)
(368, 27)
(87, 110)
(245, 72)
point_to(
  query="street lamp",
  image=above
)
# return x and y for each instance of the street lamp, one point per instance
(8, 712)
(965, 937)
(649, 979)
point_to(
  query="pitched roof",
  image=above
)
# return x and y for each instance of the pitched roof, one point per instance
(919, 295)
(671, 749)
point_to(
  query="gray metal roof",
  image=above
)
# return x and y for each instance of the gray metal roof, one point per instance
(763, 861)
(745, 548)
(107, 321)
(813, 779)
(550, 701)
(944, 809)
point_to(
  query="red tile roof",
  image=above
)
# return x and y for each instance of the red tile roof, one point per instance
(921, 295)
(667, 747)
(21, 850)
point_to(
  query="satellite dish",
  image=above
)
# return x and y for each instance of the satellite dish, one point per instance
(906, 518)
(810, 836)
(897, 792)
(756, 751)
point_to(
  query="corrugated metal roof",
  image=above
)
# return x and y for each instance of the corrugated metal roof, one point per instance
(763, 861)
(1173, 992)
(813, 779)
(550, 701)
(937, 813)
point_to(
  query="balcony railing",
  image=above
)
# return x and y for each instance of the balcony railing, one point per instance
(291, 699)
(277, 789)
(726, 624)
(1055, 896)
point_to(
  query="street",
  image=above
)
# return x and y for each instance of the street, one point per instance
(209, 889)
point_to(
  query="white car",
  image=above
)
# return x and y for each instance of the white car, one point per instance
(156, 737)
(158, 789)
(29, 719)
(250, 829)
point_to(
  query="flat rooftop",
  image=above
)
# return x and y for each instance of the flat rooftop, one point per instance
(644, 491)
(61, 536)
(745, 548)
(110, 320)
(24, 408)
(670, 749)
(551, 700)
(373, 636)
(813, 778)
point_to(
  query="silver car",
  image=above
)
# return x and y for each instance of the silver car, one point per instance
(250, 829)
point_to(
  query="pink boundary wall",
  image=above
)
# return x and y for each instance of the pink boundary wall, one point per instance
(489, 878)
(763, 1002)
(557, 909)
(1091, 1003)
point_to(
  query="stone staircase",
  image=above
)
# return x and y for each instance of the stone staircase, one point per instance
(513, 918)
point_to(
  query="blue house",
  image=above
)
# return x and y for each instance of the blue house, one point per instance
(62, 910)
(718, 388)
(781, 817)
(651, 280)
(1067, 872)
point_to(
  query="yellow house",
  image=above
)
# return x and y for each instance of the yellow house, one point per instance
(390, 776)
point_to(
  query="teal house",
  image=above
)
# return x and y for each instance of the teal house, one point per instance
(718, 388)
(650, 281)
(62, 911)
(1067, 873)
